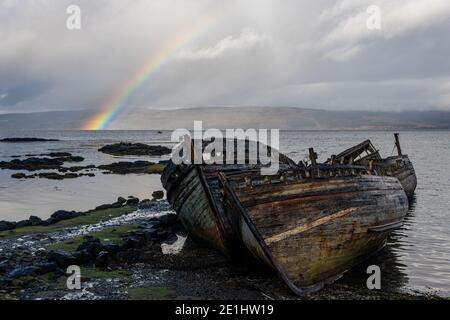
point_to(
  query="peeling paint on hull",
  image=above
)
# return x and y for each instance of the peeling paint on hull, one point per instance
(195, 194)
(402, 168)
(312, 232)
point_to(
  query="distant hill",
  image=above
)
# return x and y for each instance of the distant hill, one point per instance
(282, 118)
(56, 120)
(236, 117)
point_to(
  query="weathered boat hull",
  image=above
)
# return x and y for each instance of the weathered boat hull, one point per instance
(194, 193)
(402, 168)
(367, 155)
(189, 199)
(313, 230)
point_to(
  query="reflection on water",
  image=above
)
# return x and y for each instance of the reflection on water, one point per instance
(416, 256)
(394, 275)
(422, 251)
(41, 197)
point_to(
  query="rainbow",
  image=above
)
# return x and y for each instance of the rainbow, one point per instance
(118, 101)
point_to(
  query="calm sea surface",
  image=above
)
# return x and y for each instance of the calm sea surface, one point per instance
(417, 256)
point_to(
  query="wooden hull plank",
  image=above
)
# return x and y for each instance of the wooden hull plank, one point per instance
(310, 247)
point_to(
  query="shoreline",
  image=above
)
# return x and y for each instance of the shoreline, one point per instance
(170, 266)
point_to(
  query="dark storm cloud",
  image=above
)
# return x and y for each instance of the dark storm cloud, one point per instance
(14, 95)
(253, 52)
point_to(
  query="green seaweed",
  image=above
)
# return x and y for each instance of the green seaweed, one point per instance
(151, 293)
(111, 235)
(95, 273)
(156, 168)
(40, 280)
(91, 217)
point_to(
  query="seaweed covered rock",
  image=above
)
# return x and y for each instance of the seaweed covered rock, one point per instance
(57, 176)
(134, 149)
(32, 164)
(76, 168)
(91, 246)
(18, 176)
(71, 158)
(62, 258)
(57, 154)
(35, 163)
(132, 167)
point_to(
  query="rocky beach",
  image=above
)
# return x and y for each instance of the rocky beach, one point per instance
(135, 249)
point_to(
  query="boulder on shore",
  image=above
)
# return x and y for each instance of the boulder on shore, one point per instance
(63, 215)
(22, 271)
(132, 201)
(114, 205)
(158, 195)
(6, 225)
(35, 221)
(92, 246)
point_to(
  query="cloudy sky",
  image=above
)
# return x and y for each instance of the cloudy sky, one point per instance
(309, 53)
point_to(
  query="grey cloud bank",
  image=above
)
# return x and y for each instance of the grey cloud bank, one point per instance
(254, 52)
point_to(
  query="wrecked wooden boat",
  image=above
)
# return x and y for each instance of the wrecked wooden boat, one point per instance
(366, 154)
(194, 193)
(309, 223)
(312, 224)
